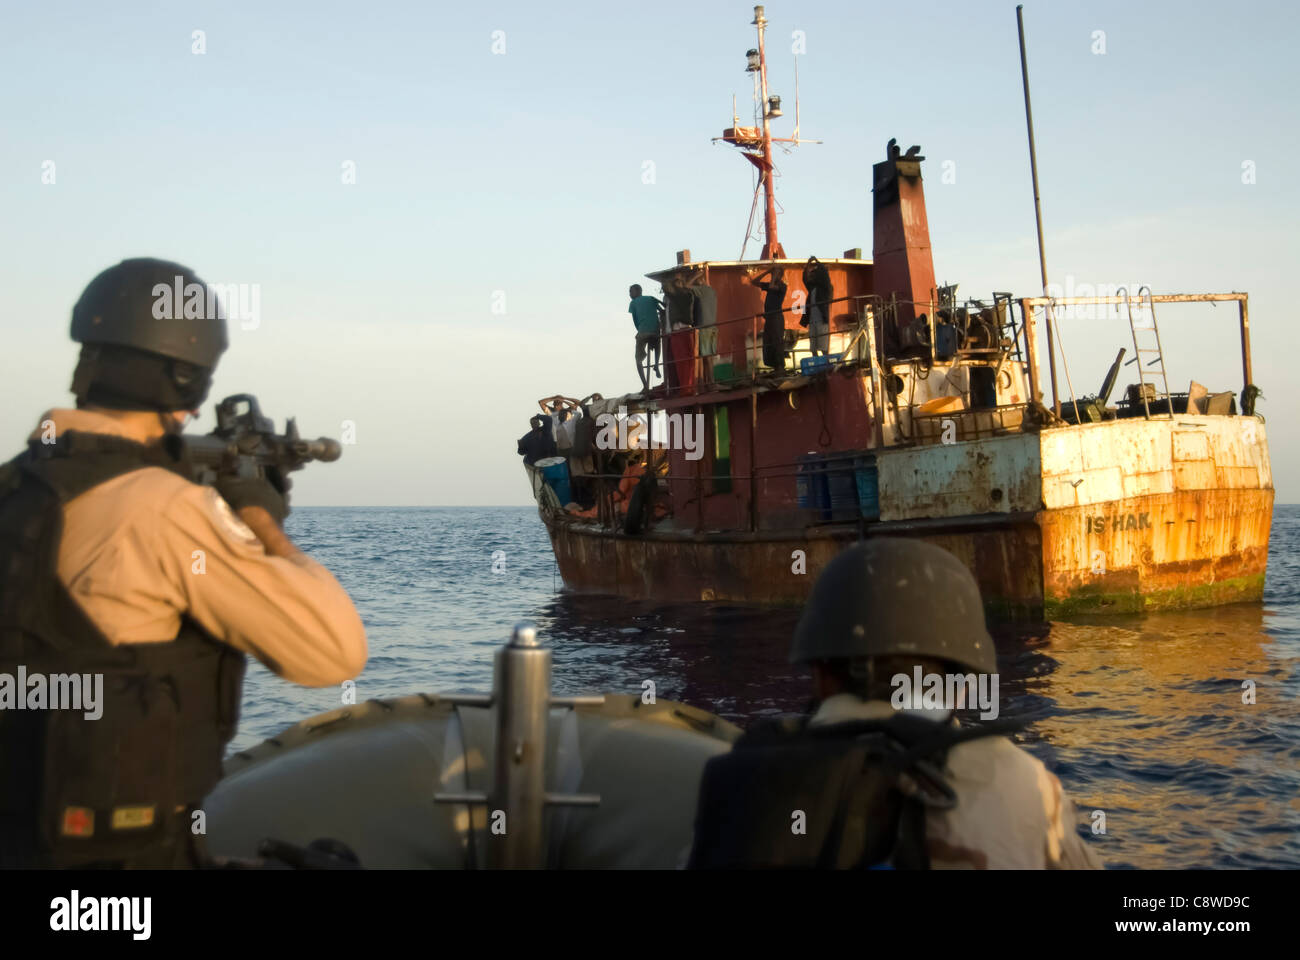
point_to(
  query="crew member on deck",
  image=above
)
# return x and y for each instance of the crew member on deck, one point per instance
(773, 316)
(537, 443)
(647, 315)
(817, 311)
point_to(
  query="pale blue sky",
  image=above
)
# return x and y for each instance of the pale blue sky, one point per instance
(522, 173)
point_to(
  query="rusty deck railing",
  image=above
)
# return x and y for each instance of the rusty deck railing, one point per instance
(872, 312)
(1029, 304)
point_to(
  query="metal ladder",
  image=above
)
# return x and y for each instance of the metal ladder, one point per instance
(1010, 330)
(1139, 351)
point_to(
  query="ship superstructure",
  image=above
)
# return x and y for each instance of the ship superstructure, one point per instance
(734, 481)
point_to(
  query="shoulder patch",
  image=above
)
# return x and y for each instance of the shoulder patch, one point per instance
(226, 519)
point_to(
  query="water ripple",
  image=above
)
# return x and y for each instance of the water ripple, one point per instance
(1144, 718)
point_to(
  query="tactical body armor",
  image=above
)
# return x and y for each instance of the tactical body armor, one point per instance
(840, 796)
(116, 790)
(862, 789)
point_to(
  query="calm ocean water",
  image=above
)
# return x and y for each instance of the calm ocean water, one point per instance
(1140, 717)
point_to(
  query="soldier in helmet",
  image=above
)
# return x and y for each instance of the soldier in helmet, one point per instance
(148, 589)
(872, 779)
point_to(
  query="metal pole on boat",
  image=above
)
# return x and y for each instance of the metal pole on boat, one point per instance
(1031, 351)
(522, 697)
(1038, 208)
(771, 246)
(516, 805)
(753, 459)
(1244, 315)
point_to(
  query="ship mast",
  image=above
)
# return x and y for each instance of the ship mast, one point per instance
(756, 142)
(771, 246)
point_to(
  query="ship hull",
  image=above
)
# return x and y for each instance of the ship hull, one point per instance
(1192, 549)
(779, 569)
(1029, 569)
(1059, 547)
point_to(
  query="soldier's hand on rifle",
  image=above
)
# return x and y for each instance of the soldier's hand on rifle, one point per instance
(269, 494)
(262, 504)
(274, 540)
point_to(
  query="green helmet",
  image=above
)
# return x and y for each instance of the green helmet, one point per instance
(151, 336)
(891, 597)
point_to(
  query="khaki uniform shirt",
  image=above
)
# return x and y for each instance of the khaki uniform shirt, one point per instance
(147, 547)
(1011, 812)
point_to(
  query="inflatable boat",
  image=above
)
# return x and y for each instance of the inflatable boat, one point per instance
(512, 779)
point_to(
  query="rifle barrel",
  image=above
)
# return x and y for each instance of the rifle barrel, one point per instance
(322, 448)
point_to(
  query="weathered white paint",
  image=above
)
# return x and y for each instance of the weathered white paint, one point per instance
(959, 479)
(1098, 462)
(1073, 466)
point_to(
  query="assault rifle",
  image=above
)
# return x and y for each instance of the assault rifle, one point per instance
(245, 444)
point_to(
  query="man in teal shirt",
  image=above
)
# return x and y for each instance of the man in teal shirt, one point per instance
(647, 315)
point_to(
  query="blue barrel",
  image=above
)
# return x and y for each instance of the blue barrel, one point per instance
(842, 483)
(868, 486)
(555, 471)
(803, 483)
(811, 485)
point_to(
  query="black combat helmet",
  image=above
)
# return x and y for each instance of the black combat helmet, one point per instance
(895, 597)
(151, 335)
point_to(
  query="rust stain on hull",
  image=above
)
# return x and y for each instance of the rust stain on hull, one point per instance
(772, 572)
(1186, 549)
(690, 568)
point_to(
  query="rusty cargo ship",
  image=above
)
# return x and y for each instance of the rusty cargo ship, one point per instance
(921, 415)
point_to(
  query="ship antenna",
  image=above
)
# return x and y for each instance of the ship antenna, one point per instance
(1033, 157)
(771, 245)
(756, 142)
(796, 99)
(1038, 206)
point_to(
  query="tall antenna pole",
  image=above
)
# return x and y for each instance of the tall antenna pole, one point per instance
(771, 247)
(1038, 207)
(755, 142)
(796, 100)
